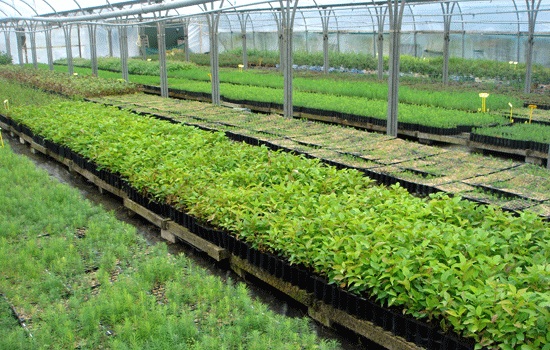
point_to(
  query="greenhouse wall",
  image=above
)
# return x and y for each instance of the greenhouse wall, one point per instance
(500, 47)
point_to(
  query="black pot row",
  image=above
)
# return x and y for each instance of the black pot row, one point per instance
(413, 330)
(526, 120)
(510, 143)
(392, 320)
(501, 193)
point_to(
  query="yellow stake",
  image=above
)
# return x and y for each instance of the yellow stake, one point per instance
(483, 96)
(531, 107)
(241, 66)
(1, 139)
(511, 119)
(210, 76)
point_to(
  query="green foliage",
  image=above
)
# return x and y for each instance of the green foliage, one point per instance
(431, 67)
(18, 95)
(519, 131)
(82, 279)
(5, 58)
(61, 83)
(475, 269)
(459, 100)
(135, 66)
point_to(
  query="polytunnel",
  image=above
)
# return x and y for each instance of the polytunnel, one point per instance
(42, 31)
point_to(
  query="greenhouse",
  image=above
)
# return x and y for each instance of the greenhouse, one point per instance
(382, 165)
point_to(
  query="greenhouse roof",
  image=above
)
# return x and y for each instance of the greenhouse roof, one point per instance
(510, 16)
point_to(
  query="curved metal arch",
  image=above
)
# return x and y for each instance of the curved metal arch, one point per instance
(373, 32)
(109, 4)
(381, 17)
(50, 6)
(306, 31)
(463, 28)
(78, 5)
(175, 10)
(519, 32)
(372, 20)
(228, 21)
(447, 9)
(13, 7)
(32, 8)
(337, 29)
(414, 29)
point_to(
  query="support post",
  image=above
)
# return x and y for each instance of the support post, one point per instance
(532, 11)
(213, 19)
(123, 43)
(395, 9)
(325, 18)
(21, 43)
(186, 38)
(79, 41)
(278, 20)
(142, 43)
(380, 17)
(49, 50)
(447, 9)
(161, 35)
(8, 41)
(243, 18)
(68, 48)
(33, 47)
(93, 48)
(110, 40)
(288, 13)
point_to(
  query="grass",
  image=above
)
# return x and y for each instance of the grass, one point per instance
(518, 131)
(162, 150)
(82, 279)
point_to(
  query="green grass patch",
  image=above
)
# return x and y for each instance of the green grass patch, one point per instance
(444, 260)
(82, 279)
(371, 90)
(72, 86)
(519, 131)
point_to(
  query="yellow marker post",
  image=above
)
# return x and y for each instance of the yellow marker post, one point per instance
(1, 139)
(531, 108)
(511, 119)
(210, 76)
(241, 66)
(260, 61)
(483, 96)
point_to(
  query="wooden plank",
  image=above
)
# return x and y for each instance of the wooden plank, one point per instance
(531, 156)
(150, 216)
(484, 146)
(90, 177)
(39, 148)
(184, 234)
(442, 138)
(321, 312)
(365, 328)
(238, 265)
